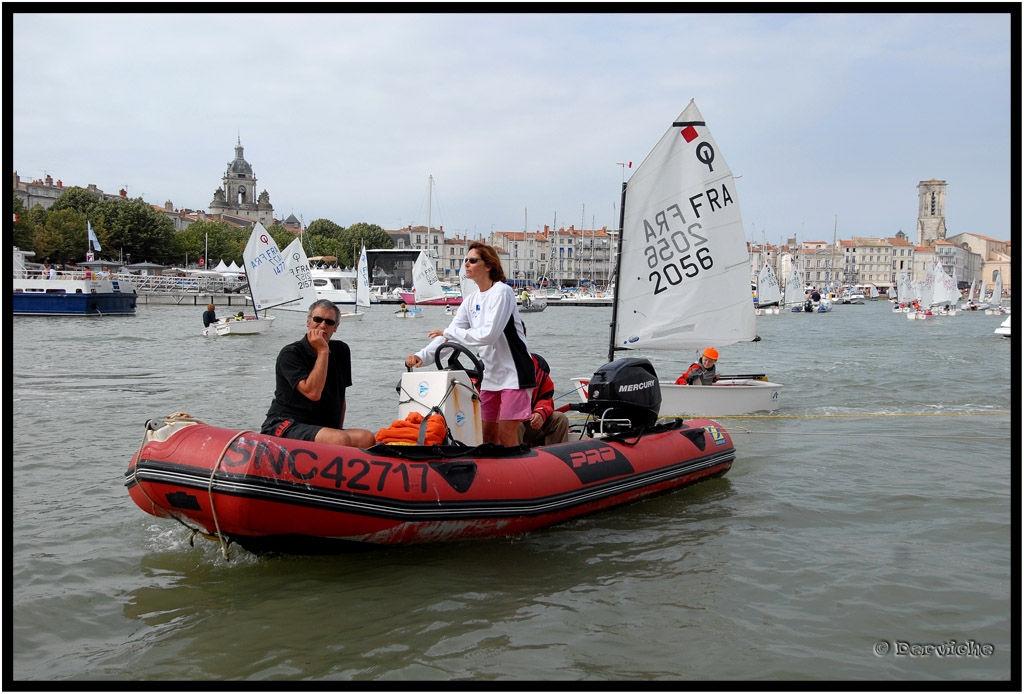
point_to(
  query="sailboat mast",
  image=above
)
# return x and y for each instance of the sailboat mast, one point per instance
(618, 268)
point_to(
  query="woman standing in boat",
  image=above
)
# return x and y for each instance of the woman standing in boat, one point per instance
(489, 321)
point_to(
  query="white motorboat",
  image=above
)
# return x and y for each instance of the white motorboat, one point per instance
(69, 293)
(332, 282)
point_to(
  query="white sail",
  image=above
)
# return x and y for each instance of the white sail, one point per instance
(768, 289)
(362, 281)
(270, 283)
(927, 293)
(997, 291)
(467, 286)
(945, 287)
(424, 279)
(905, 292)
(298, 267)
(684, 279)
(794, 288)
(872, 291)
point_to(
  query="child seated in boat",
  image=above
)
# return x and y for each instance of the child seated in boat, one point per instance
(546, 425)
(701, 372)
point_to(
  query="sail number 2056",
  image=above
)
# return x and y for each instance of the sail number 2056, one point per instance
(687, 265)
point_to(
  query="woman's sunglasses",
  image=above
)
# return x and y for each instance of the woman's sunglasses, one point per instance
(473, 261)
(320, 319)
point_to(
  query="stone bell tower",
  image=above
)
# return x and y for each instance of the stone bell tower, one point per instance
(931, 212)
(237, 195)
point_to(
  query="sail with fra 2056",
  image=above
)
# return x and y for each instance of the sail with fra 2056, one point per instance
(684, 280)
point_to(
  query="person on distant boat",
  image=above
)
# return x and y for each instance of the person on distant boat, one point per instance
(545, 425)
(702, 372)
(525, 297)
(209, 316)
(311, 376)
(240, 315)
(51, 273)
(403, 308)
(489, 320)
(105, 273)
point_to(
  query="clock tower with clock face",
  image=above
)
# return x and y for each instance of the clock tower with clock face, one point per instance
(237, 195)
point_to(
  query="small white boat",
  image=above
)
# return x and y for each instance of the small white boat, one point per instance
(1004, 327)
(270, 285)
(729, 396)
(414, 312)
(246, 325)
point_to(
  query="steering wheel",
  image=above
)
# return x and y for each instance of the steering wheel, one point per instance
(453, 364)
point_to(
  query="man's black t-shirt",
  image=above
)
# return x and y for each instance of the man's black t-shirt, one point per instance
(294, 364)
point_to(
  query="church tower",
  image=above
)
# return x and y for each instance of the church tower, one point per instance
(931, 212)
(237, 195)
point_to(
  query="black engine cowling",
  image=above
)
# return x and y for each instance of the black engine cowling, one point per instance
(624, 390)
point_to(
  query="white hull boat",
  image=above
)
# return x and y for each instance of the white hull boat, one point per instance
(728, 397)
(249, 325)
(1004, 328)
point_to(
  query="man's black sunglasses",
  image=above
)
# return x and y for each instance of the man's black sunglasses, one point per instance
(321, 319)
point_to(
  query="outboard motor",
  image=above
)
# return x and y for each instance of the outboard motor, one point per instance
(623, 394)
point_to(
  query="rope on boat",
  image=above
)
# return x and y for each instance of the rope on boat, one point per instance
(194, 530)
(176, 417)
(209, 491)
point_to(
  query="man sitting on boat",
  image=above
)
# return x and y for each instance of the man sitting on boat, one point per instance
(311, 377)
(545, 425)
(701, 372)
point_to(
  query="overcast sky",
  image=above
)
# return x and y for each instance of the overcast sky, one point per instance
(523, 119)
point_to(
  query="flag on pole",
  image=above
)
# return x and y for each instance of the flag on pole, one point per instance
(92, 238)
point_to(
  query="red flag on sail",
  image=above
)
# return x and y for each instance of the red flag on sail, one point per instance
(689, 133)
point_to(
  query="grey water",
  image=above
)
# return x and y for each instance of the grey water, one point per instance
(863, 533)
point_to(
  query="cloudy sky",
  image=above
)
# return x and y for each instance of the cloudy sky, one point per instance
(523, 119)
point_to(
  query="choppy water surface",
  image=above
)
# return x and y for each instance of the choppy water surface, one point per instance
(871, 516)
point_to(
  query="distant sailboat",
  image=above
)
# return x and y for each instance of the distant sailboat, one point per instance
(270, 284)
(769, 293)
(298, 267)
(362, 289)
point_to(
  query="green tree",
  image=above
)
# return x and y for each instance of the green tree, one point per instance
(24, 230)
(62, 237)
(76, 198)
(134, 228)
(358, 235)
(324, 227)
(215, 235)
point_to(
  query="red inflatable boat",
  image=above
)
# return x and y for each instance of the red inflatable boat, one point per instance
(272, 494)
